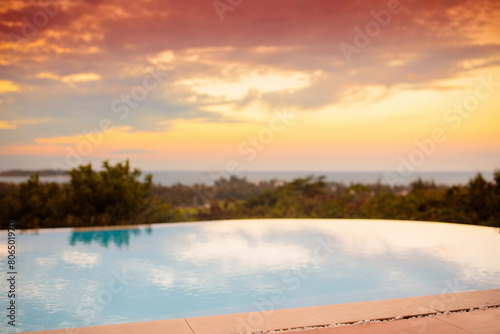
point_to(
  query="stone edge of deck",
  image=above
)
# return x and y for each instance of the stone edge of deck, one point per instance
(301, 317)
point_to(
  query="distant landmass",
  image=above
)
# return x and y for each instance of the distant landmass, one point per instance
(25, 173)
(190, 178)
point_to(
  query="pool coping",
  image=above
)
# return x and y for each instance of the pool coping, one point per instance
(270, 319)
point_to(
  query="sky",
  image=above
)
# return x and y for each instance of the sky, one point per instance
(240, 85)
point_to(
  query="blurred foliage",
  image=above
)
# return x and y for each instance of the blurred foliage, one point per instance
(476, 203)
(113, 196)
(116, 195)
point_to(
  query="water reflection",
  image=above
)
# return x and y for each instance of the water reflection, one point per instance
(104, 237)
(392, 251)
(196, 269)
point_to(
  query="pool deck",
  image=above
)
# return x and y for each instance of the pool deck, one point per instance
(471, 312)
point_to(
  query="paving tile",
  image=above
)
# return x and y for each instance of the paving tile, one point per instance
(227, 323)
(177, 326)
(477, 322)
(428, 325)
(307, 331)
(247, 322)
(460, 301)
(383, 309)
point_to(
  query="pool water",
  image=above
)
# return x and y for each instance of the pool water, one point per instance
(72, 278)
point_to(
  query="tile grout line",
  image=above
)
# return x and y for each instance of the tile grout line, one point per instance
(192, 330)
(452, 324)
(423, 305)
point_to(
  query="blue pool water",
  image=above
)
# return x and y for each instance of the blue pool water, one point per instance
(71, 278)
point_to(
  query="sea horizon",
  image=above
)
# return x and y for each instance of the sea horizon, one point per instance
(191, 177)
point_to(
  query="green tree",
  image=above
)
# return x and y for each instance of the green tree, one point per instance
(115, 195)
(35, 204)
(111, 196)
(479, 199)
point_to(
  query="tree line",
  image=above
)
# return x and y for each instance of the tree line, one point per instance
(117, 195)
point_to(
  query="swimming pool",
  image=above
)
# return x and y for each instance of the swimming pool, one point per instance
(72, 278)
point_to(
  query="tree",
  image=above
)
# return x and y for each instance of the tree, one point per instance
(113, 195)
(35, 204)
(479, 193)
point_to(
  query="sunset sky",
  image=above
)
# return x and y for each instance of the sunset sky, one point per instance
(250, 84)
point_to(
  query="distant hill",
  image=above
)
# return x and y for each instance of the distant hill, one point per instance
(20, 172)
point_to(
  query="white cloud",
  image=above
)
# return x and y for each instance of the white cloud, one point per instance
(258, 81)
(84, 260)
(8, 86)
(233, 252)
(81, 77)
(14, 123)
(467, 246)
(47, 75)
(161, 276)
(163, 57)
(46, 261)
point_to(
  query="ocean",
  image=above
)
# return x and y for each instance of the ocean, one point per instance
(168, 178)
